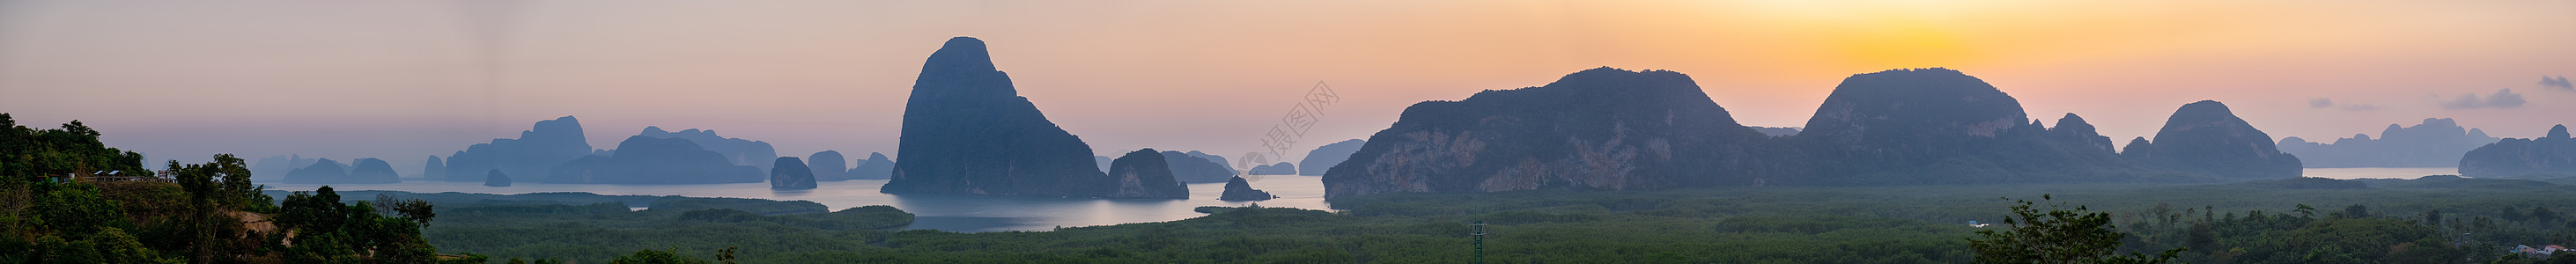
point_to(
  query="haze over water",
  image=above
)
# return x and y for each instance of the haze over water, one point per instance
(959, 213)
(962, 213)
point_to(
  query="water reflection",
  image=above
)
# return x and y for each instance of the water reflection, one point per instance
(2384, 173)
(961, 213)
(790, 193)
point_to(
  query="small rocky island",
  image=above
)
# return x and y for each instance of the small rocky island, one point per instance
(1239, 190)
(496, 178)
(790, 173)
(1145, 174)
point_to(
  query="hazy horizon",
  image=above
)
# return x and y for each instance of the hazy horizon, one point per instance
(403, 80)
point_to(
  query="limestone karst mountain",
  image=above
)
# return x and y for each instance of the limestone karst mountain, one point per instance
(1281, 168)
(1936, 126)
(1601, 128)
(1195, 169)
(371, 170)
(736, 150)
(1142, 174)
(1625, 130)
(876, 167)
(1237, 189)
(2549, 156)
(966, 130)
(2205, 137)
(322, 171)
(433, 168)
(2436, 142)
(790, 173)
(536, 152)
(496, 178)
(651, 160)
(829, 165)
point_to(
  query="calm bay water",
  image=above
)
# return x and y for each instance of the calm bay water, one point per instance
(2379, 172)
(959, 213)
(964, 213)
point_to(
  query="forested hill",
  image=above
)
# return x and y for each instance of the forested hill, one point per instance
(67, 198)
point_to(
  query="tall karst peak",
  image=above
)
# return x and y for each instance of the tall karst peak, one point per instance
(2073, 129)
(2205, 113)
(1903, 103)
(962, 67)
(2205, 137)
(967, 131)
(1601, 128)
(1937, 125)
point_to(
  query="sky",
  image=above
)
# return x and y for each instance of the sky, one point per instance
(402, 80)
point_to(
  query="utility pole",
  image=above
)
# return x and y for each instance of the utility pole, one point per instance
(1480, 241)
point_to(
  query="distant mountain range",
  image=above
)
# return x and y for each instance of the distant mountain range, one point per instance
(536, 152)
(2436, 142)
(737, 151)
(2549, 156)
(966, 130)
(1615, 129)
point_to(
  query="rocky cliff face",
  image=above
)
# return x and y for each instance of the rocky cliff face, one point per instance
(1143, 174)
(371, 170)
(322, 171)
(1324, 157)
(1936, 126)
(876, 167)
(1283, 168)
(1620, 130)
(496, 178)
(829, 166)
(2437, 142)
(2553, 155)
(1219, 160)
(1237, 189)
(650, 160)
(535, 152)
(578, 170)
(790, 173)
(735, 150)
(435, 168)
(2073, 132)
(1194, 169)
(1601, 128)
(2206, 138)
(967, 131)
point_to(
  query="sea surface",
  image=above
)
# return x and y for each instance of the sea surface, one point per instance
(2378, 172)
(956, 213)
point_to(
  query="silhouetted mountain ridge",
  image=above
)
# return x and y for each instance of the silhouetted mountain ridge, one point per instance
(967, 131)
(2549, 156)
(2436, 142)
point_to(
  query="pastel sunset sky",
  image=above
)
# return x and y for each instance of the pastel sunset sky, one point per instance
(402, 80)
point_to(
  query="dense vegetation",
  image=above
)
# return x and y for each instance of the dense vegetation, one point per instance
(599, 232)
(66, 198)
(2377, 221)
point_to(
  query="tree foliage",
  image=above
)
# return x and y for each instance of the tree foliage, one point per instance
(2059, 235)
(202, 213)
